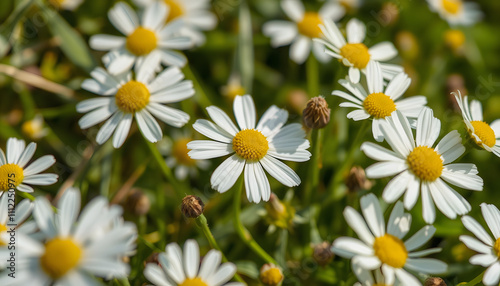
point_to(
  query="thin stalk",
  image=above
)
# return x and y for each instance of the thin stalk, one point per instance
(201, 96)
(474, 281)
(242, 231)
(312, 71)
(202, 224)
(313, 182)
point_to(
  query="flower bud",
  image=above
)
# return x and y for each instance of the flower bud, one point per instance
(271, 275)
(434, 281)
(322, 253)
(137, 202)
(192, 206)
(316, 114)
(356, 180)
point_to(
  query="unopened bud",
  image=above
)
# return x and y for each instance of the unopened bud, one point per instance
(356, 180)
(316, 114)
(271, 275)
(322, 253)
(434, 281)
(192, 206)
(137, 202)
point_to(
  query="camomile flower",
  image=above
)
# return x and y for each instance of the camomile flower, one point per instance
(34, 128)
(184, 269)
(66, 4)
(150, 38)
(379, 101)
(486, 136)
(123, 98)
(194, 14)
(456, 12)
(253, 147)
(489, 249)
(382, 246)
(177, 157)
(15, 170)
(67, 252)
(353, 53)
(369, 277)
(420, 168)
(302, 29)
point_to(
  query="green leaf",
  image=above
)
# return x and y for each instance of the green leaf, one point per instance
(71, 42)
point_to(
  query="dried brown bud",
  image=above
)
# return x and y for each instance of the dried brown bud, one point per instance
(271, 275)
(137, 202)
(389, 14)
(316, 114)
(322, 253)
(153, 258)
(356, 180)
(434, 281)
(192, 206)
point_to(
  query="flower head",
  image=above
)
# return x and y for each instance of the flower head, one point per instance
(254, 147)
(456, 12)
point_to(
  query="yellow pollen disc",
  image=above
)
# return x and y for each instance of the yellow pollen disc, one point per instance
(272, 276)
(390, 250)
(250, 144)
(176, 9)
(356, 54)
(2, 229)
(180, 152)
(496, 247)
(425, 163)
(454, 38)
(10, 174)
(379, 105)
(132, 96)
(484, 132)
(141, 42)
(193, 282)
(452, 6)
(309, 25)
(61, 255)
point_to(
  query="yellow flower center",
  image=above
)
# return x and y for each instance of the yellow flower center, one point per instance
(452, 6)
(10, 174)
(496, 247)
(193, 282)
(132, 96)
(141, 42)
(233, 90)
(484, 132)
(425, 163)
(356, 54)
(309, 25)
(271, 277)
(250, 144)
(180, 152)
(61, 255)
(379, 105)
(3, 228)
(390, 250)
(176, 9)
(454, 39)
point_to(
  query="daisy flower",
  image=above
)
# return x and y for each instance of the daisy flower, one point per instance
(379, 101)
(67, 252)
(370, 278)
(489, 249)
(484, 135)
(176, 268)
(34, 128)
(456, 12)
(149, 39)
(378, 247)
(194, 14)
(122, 98)
(302, 29)
(176, 151)
(15, 170)
(419, 167)
(354, 54)
(252, 147)
(66, 4)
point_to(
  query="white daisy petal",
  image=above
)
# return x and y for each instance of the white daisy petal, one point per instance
(26, 155)
(352, 246)
(154, 15)
(492, 274)
(484, 260)
(209, 264)
(356, 31)
(206, 149)
(244, 112)
(396, 187)
(476, 245)
(473, 226)
(123, 18)
(224, 177)
(168, 114)
(280, 171)
(148, 126)
(384, 51)
(356, 222)
(373, 214)
(492, 217)
(420, 238)
(300, 49)
(293, 9)
(122, 130)
(191, 258)
(212, 131)
(221, 119)
(106, 42)
(225, 272)
(426, 265)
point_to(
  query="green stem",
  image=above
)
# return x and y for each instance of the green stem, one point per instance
(202, 224)
(334, 191)
(242, 231)
(201, 96)
(312, 184)
(312, 76)
(474, 281)
(26, 196)
(122, 281)
(165, 169)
